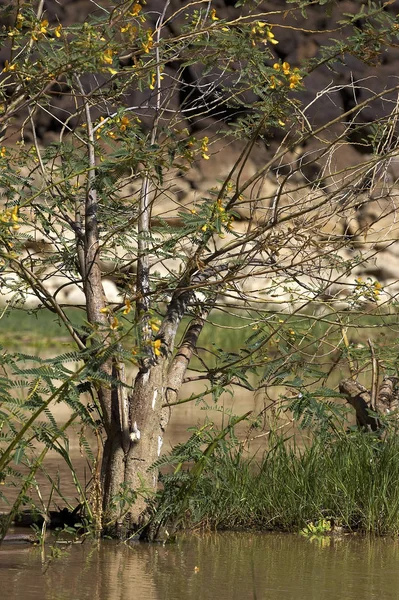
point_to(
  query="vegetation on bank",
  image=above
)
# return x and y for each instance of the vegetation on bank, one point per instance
(326, 471)
(349, 480)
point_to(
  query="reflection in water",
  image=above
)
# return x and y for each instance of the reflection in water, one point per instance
(225, 566)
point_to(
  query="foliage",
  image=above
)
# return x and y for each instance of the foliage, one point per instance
(92, 206)
(349, 479)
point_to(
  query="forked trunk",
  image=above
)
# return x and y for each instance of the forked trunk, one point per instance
(126, 473)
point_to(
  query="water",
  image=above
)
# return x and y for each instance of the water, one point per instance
(226, 566)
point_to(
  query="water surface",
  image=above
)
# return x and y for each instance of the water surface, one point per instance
(226, 566)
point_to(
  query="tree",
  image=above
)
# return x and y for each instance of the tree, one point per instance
(127, 93)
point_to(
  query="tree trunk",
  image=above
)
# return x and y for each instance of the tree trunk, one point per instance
(154, 387)
(127, 471)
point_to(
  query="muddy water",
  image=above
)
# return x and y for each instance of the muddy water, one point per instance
(225, 566)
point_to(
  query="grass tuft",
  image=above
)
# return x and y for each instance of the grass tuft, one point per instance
(352, 479)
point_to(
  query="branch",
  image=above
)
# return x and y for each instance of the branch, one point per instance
(184, 354)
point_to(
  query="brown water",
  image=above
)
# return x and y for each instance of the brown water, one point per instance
(227, 566)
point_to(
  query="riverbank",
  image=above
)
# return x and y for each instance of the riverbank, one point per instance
(349, 480)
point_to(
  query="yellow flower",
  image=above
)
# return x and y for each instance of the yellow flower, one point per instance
(272, 83)
(156, 344)
(107, 56)
(204, 147)
(153, 80)
(129, 28)
(271, 38)
(3, 152)
(40, 30)
(124, 123)
(294, 79)
(114, 324)
(8, 67)
(19, 21)
(58, 31)
(136, 9)
(147, 45)
(128, 307)
(154, 326)
(280, 122)
(14, 214)
(204, 227)
(286, 68)
(276, 67)
(104, 310)
(213, 15)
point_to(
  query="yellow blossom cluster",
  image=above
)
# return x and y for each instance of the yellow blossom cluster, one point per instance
(204, 148)
(9, 67)
(221, 218)
(130, 29)
(149, 42)
(37, 30)
(292, 75)
(136, 9)
(114, 324)
(40, 30)
(10, 218)
(128, 307)
(100, 128)
(121, 122)
(108, 59)
(261, 32)
(153, 80)
(369, 290)
(155, 325)
(156, 346)
(19, 21)
(108, 56)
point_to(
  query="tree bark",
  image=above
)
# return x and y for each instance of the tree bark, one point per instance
(386, 401)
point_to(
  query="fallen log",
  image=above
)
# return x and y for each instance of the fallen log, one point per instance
(386, 401)
(359, 397)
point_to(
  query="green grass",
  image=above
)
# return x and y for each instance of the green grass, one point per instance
(353, 479)
(36, 329)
